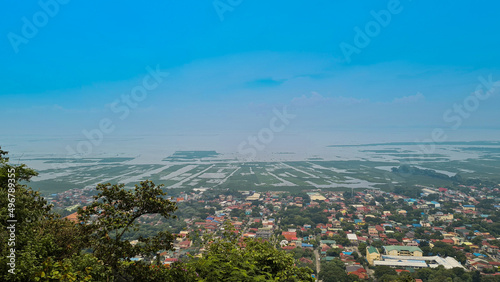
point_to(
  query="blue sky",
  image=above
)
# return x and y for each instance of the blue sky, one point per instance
(227, 75)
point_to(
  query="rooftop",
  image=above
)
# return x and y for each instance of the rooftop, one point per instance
(402, 248)
(372, 249)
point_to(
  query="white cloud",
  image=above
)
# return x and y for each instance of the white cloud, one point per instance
(317, 99)
(409, 99)
(314, 99)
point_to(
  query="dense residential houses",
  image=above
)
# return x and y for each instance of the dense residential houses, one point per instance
(363, 229)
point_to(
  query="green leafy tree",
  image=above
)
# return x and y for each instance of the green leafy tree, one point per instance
(231, 258)
(48, 248)
(362, 248)
(333, 271)
(114, 212)
(40, 235)
(334, 252)
(255, 212)
(384, 270)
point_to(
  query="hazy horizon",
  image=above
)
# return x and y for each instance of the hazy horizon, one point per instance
(182, 76)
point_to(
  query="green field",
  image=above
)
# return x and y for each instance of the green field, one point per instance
(209, 169)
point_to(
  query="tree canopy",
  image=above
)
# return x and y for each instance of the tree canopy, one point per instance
(114, 212)
(49, 248)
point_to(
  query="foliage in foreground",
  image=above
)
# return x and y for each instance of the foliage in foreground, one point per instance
(49, 248)
(231, 258)
(114, 212)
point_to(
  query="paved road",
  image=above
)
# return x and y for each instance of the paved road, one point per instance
(316, 255)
